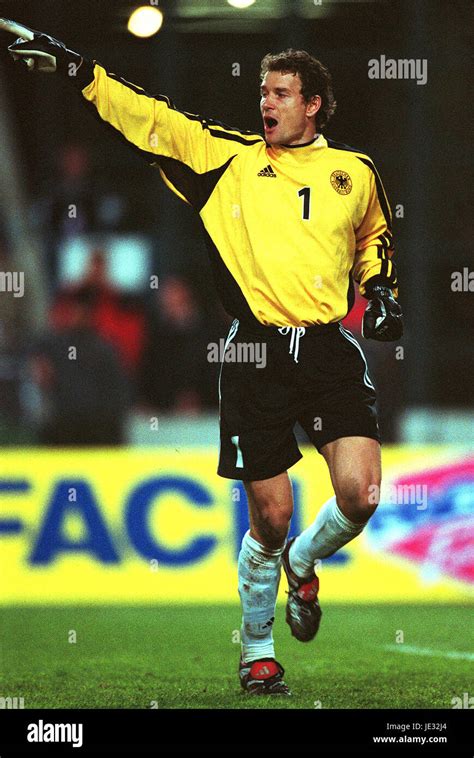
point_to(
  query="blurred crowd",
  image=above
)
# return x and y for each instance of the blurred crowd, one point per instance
(106, 352)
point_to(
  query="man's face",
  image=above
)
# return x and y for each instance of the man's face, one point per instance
(287, 118)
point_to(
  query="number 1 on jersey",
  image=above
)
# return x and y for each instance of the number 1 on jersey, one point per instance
(305, 194)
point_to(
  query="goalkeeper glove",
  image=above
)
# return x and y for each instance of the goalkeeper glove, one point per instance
(40, 52)
(383, 319)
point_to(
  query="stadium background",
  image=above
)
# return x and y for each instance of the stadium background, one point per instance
(124, 534)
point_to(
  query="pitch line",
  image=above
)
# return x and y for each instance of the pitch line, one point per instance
(414, 650)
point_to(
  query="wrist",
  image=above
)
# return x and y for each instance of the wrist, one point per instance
(380, 290)
(377, 286)
(78, 70)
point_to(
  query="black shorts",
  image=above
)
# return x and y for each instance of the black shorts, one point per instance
(272, 378)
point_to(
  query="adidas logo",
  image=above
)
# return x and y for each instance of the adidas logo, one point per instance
(267, 171)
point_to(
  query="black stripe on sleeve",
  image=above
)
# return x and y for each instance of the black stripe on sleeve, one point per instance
(214, 122)
(380, 191)
(232, 137)
(388, 240)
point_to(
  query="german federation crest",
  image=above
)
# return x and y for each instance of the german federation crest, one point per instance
(342, 182)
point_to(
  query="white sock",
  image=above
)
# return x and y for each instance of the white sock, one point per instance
(259, 577)
(329, 532)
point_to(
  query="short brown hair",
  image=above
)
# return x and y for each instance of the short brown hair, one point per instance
(315, 78)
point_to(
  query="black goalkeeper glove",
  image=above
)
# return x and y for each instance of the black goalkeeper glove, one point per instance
(40, 52)
(383, 319)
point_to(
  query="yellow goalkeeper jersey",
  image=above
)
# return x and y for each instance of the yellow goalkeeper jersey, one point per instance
(288, 228)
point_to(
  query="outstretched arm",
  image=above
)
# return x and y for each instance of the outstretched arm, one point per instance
(152, 125)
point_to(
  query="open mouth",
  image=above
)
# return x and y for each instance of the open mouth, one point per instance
(269, 123)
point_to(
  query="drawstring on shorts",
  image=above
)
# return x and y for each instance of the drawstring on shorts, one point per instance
(296, 332)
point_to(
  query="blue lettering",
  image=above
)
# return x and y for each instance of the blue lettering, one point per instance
(51, 539)
(137, 520)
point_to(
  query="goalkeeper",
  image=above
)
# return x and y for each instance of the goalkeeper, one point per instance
(291, 220)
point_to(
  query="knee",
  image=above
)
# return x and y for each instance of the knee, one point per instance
(358, 499)
(272, 522)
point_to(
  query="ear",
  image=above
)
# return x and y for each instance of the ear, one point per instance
(313, 106)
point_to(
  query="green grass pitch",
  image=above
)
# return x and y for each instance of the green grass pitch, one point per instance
(186, 657)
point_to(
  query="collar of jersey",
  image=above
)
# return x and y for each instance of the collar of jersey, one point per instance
(305, 144)
(297, 153)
